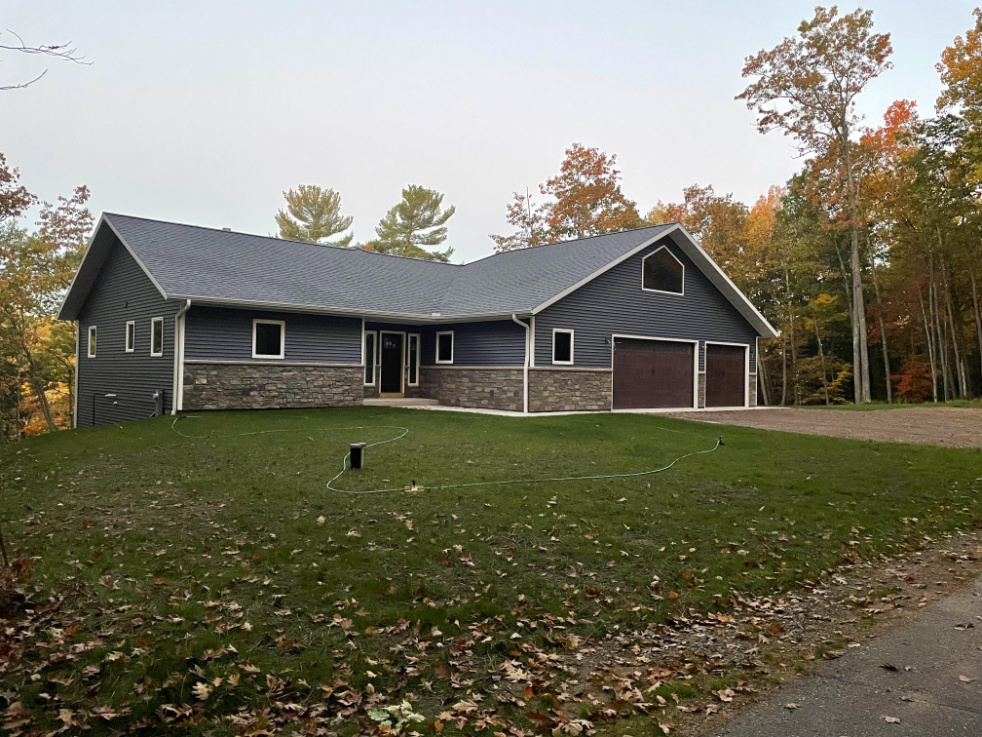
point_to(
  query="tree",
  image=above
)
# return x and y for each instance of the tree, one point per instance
(313, 215)
(416, 222)
(35, 270)
(718, 221)
(61, 52)
(961, 73)
(529, 221)
(588, 196)
(807, 87)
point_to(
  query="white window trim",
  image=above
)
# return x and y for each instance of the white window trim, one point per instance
(662, 291)
(373, 358)
(92, 334)
(410, 337)
(153, 322)
(571, 346)
(282, 324)
(127, 346)
(436, 347)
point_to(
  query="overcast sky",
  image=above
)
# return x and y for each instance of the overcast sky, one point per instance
(204, 112)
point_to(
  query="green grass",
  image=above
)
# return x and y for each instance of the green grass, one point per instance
(169, 550)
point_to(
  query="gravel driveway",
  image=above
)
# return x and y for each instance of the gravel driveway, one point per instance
(945, 426)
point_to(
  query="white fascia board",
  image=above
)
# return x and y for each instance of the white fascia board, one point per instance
(103, 220)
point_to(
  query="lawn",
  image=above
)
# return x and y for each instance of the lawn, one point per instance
(209, 583)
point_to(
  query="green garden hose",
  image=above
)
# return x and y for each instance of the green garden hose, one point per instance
(404, 431)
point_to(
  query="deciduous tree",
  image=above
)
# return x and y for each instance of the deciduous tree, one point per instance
(807, 87)
(529, 221)
(588, 196)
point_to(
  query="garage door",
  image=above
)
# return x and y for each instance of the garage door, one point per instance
(726, 378)
(649, 374)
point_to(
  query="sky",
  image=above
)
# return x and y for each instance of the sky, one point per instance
(205, 112)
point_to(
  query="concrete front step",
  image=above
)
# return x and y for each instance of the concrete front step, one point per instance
(400, 402)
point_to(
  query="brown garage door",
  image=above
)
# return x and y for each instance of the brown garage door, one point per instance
(652, 373)
(726, 378)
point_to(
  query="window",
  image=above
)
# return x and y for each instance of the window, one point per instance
(662, 272)
(444, 347)
(370, 354)
(157, 336)
(92, 332)
(130, 336)
(412, 360)
(268, 338)
(562, 346)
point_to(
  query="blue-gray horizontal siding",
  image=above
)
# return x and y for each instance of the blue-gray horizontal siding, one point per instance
(492, 343)
(615, 303)
(120, 293)
(225, 334)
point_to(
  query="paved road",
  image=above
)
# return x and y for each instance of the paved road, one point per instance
(850, 697)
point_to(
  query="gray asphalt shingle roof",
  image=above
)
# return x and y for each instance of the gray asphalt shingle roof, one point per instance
(211, 265)
(189, 261)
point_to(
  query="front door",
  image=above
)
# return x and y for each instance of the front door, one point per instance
(391, 362)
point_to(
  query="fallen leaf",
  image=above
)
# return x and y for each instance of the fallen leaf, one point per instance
(891, 720)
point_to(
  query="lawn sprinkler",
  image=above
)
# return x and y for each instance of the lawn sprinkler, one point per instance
(357, 452)
(413, 488)
(721, 440)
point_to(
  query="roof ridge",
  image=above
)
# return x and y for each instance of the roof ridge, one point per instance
(572, 240)
(347, 249)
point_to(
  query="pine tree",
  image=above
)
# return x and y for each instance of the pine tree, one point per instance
(415, 222)
(313, 215)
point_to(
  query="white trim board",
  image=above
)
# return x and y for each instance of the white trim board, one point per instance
(261, 321)
(675, 258)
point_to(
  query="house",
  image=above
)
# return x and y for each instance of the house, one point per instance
(177, 318)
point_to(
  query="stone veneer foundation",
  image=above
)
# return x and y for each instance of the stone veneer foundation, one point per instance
(568, 390)
(270, 386)
(483, 388)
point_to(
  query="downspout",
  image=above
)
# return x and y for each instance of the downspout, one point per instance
(525, 366)
(177, 399)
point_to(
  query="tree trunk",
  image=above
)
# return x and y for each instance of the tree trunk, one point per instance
(883, 332)
(941, 333)
(959, 365)
(821, 356)
(765, 387)
(38, 386)
(932, 360)
(784, 369)
(860, 340)
(978, 316)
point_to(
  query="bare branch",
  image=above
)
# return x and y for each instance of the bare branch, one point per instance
(61, 52)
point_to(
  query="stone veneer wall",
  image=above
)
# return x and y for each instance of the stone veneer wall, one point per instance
(701, 393)
(752, 390)
(485, 388)
(270, 386)
(566, 390)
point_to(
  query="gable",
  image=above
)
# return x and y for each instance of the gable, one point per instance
(614, 303)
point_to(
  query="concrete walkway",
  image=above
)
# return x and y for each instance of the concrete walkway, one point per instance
(935, 691)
